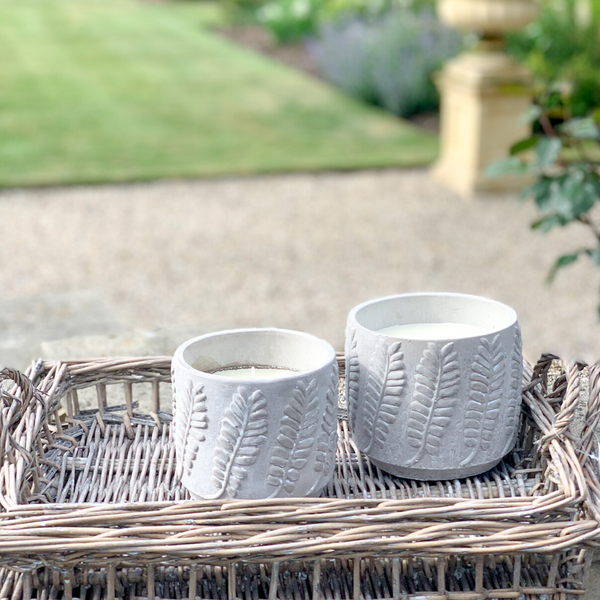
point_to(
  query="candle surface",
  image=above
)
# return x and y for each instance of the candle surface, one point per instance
(433, 331)
(251, 372)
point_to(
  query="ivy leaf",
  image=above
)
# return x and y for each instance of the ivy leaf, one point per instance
(504, 166)
(563, 261)
(524, 145)
(547, 150)
(581, 128)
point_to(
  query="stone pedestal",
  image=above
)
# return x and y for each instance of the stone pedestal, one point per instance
(483, 98)
(484, 95)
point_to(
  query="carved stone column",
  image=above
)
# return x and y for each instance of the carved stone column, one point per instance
(484, 94)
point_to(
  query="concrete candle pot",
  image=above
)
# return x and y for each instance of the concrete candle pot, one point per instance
(433, 383)
(255, 414)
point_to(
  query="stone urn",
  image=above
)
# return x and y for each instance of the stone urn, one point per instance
(490, 18)
(484, 94)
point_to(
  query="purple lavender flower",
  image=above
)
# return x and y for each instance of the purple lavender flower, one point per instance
(387, 60)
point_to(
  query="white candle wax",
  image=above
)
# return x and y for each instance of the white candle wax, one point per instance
(433, 331)
(251, 372)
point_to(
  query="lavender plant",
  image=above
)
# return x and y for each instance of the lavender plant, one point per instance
(388, 59)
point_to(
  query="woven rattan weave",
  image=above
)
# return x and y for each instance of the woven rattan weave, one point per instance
(92, 508)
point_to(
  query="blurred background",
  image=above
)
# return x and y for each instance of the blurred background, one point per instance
(174, 167)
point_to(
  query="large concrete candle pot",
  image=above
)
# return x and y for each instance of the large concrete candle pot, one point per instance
(255, 414)
(433, 383)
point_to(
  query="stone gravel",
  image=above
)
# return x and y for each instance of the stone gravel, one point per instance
(295, 251)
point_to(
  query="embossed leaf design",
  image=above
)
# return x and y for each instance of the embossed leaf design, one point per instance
(295, 438)
(485, 397)
(436, 385)
(516, 385)
(174, 421)
(243, 431)
(352, 374)
(192, 413)
(385, 383)
(326, 443)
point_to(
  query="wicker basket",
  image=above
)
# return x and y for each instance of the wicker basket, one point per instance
(92, 508)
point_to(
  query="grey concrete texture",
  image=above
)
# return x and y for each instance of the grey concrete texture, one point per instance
(295, 251)
(161, 342)
(25, 322)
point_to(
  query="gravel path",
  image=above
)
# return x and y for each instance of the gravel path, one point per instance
(295, 251)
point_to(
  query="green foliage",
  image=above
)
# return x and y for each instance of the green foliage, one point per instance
(242, 11)
(293, 20)
(562, 49)
(290, 20)
(505, 166)
(565, 163)
(547, 150)
(336, 9)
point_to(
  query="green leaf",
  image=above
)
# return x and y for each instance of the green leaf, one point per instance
(537, 189)
(545, 224)
(565, 198)
(532, 114)
(569, 195)
(581, 128)
(553, 200)
(504, 166)
(594, 181)
(524, 145)
(595, 255)
(563, 261)
(547, 150)
(582, 193)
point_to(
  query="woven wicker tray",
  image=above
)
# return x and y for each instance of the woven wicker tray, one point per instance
(92, 508)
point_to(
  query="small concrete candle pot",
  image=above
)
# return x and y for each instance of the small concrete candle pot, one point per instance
(433, 383)
(255, 414)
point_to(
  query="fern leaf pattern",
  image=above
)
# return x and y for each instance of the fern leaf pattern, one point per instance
(191, 414)
(243, 430)
(352, 375)
(485, 397)
(437, 380)
(326, 443)
(190, 421)
(385, 383)
(516, 388)
(295, 438)
(332, 401)
(174, 421)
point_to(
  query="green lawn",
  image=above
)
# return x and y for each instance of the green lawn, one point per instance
(119, 90)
